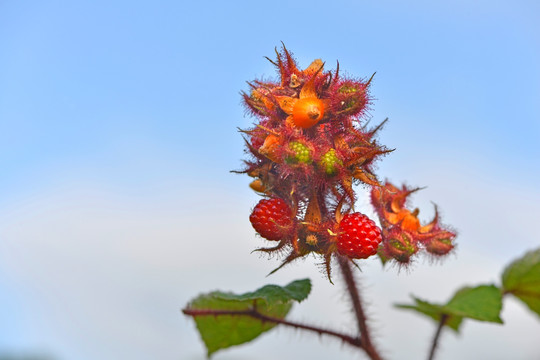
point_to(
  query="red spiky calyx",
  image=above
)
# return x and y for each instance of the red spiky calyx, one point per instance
(403, 234)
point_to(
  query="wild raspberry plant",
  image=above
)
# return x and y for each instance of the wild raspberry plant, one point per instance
(308, 149)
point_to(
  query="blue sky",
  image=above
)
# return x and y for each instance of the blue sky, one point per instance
(118, 130)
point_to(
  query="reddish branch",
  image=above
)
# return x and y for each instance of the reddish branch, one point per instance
(254, 313)
(358, 309)
(442, 321)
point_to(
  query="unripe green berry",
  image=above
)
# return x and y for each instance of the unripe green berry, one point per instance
(302, 154)
(351, 96)
(400, 246)
(347, 89)
(329, 162)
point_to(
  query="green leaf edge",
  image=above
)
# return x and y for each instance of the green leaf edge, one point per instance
(495, 295)
(453, 322)
(455, 314)
(527, 265)
(297, 290)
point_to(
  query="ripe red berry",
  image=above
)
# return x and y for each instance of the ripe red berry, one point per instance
(359, 237)
(272, 218)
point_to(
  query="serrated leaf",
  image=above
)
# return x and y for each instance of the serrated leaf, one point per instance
(483, 303)
(297, 290)
(222, 330)
(434, 311)
(522, 279)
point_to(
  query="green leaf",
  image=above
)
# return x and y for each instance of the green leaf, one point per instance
(434, 311)
(220, 319)
(297, 290)
(522, 279)
(482, 303)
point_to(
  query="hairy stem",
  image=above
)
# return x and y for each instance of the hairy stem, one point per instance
(358, 309)
(252, 312)
(442, 321)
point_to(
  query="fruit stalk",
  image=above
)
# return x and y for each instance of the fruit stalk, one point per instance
(442, 321)
(361, 320)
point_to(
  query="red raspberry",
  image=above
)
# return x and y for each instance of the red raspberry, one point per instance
(272, 218)
(359, 237)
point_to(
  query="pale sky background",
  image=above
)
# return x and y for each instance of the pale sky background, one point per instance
(118, 130)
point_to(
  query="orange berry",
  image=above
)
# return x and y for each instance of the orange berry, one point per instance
(307, 112)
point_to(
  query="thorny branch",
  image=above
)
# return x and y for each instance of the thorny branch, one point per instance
(358, 309)
(254, 313)
(442, 321)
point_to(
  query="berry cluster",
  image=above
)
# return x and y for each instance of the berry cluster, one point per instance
(307, 149)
